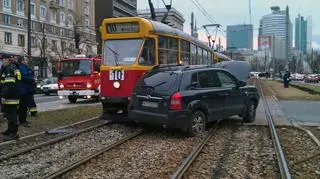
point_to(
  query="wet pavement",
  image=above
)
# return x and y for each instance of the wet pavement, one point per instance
(64, 103)
(304, 112)
(48, 103)
(276, 112)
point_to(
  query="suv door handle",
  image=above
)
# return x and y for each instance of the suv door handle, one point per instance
(223, 94)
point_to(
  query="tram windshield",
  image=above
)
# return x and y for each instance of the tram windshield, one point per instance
(121, 52)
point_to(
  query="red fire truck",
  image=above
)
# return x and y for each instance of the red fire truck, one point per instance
(79, 77)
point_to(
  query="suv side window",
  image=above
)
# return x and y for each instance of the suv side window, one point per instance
(208, 79)
(226, 80)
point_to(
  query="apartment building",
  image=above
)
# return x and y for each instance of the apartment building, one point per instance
(54, 26)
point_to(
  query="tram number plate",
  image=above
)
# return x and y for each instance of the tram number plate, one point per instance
(149, 104)
(116, 75)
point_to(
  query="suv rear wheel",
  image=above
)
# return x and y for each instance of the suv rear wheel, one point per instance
(197, 123)
(250, 113)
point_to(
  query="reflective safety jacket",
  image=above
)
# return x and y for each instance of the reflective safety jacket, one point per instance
(10, 78)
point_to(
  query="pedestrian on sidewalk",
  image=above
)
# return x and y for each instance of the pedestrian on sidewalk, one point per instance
(26, 91)
(10, 78)
(286, 79)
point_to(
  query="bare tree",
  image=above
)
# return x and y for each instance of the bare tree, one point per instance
(79, 31)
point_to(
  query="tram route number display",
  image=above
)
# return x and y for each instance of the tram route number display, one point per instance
(127, 27)
(116, 75)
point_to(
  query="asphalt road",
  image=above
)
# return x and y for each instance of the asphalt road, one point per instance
(52, 102)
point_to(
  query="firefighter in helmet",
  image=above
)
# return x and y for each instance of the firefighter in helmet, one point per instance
(10, 78)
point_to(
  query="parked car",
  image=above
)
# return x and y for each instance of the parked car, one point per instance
(312, 78)
(297, 77)
(49, 85)
(188, 97)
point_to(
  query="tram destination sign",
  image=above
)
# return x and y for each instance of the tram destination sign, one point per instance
(127, 27)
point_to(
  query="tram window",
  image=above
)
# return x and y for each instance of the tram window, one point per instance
(168, 50)
(199, 56)
(185, 52)
(147, 56)
(205, 57)
(193, 54)
(226, 80)
(208, 79)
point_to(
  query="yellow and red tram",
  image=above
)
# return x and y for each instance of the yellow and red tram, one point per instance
(133, 45)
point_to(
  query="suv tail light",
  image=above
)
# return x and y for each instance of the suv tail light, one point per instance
(176, 101)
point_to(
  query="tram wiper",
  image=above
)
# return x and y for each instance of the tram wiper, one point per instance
(116, 55)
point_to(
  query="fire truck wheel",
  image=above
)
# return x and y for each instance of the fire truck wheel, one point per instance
(72, 99)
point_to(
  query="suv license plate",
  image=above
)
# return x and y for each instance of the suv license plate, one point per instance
(149, 104)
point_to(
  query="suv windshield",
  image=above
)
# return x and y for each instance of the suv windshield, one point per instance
(161, 81)
(121, 52)
(76, 67)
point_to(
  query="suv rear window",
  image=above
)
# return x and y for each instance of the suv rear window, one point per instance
(160, 81)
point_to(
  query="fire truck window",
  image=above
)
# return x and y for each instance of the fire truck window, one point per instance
(97, 66)
(147, 56)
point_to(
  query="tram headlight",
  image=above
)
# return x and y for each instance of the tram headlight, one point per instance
(116, 84)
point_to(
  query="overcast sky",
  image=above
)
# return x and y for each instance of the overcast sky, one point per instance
(231, 12)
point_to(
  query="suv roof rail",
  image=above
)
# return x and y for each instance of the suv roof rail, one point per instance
(166, 66)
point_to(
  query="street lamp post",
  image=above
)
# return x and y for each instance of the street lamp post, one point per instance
(29, 29)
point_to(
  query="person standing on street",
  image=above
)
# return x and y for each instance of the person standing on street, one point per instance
(32, 106)
(26, 91)
(10, 78)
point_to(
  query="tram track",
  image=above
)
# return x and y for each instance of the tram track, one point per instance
(282, 162)
(231, 145)
(45, 132)
(300, 144)
(34, 141)
(44, 160)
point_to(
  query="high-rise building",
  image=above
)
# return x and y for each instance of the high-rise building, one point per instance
(174, 18)
(301, 34)
(240, 37)
(278, 23)
(112, 8)
(54, 24)
(309, 34)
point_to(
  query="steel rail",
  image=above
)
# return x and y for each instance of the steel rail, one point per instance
(53, 141)
(44, 132)
(282, 163)
(188, 161)
(96, 154)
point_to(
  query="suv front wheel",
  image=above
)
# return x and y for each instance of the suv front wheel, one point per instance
(197, 123)
(250, 113)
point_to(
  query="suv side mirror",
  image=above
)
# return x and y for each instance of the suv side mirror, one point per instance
(242, 83)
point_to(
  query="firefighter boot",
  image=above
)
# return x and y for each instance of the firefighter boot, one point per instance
(7, 132)
(13, 130)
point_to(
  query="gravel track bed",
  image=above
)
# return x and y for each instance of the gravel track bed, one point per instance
(236, 152)
(21, 144)
(298, 146)
(315, 130)
(150, 155)
(43, 161)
